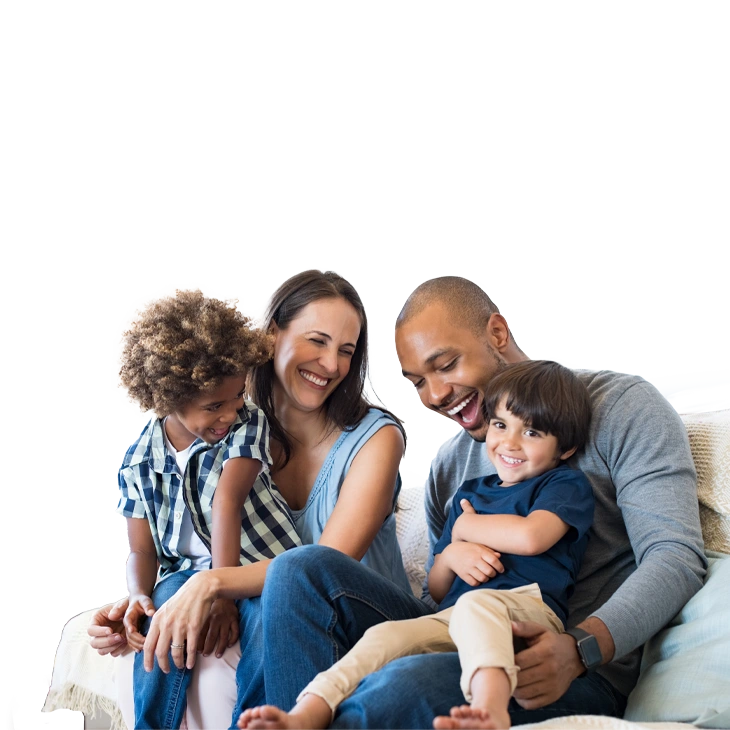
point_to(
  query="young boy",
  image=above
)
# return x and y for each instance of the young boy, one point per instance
(195, 487)
(535, 513)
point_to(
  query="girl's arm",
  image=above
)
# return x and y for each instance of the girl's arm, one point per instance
(233, 488)
(366, 495)
(234, 485)
(141, 576)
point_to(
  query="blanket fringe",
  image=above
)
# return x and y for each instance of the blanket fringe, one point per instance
(75, 697)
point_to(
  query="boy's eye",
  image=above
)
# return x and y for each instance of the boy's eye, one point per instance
(496, 424)
(532, 434)
(212, 408)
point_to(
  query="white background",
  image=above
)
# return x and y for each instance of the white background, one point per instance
(571, 158)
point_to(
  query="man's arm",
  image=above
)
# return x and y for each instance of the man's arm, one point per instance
(656, 490)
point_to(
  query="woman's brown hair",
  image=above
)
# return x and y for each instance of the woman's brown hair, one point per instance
(347, 405)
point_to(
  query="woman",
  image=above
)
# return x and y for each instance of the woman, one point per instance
(336, 464)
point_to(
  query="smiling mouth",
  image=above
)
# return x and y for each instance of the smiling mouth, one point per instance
(466, 411)
(315, 379)
(219, 432)
(511, 461)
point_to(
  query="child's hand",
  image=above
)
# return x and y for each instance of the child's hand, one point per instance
(139, 606)
(222, 629)
(473, 563)
(106, 629)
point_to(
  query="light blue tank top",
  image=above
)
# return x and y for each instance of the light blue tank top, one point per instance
(384, 554)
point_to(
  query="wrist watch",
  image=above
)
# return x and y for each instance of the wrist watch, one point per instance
(588, 649)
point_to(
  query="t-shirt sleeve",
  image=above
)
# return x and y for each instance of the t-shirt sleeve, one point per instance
(567, 493)
(131, 503)
(251, 438)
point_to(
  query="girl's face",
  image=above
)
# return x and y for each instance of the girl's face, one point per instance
(313, 354)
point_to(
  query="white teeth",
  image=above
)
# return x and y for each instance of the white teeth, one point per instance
(461, 405)
(510, 460)
(313, 378)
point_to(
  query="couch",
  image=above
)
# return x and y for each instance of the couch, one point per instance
(685, 671)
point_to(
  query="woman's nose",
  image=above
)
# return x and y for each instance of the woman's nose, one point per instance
(328, 360)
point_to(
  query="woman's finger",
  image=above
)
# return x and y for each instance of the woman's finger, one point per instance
(150, 645)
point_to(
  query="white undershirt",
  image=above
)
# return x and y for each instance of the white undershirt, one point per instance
(189, 544)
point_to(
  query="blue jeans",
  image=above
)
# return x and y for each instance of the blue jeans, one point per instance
(160, 699)
(317, 603)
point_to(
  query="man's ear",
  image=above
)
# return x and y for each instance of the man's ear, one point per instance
(568, 453)
(498, 332)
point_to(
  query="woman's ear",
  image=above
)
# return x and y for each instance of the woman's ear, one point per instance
(568, 453)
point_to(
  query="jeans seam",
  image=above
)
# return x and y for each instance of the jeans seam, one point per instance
(178, 680)
(363, 599)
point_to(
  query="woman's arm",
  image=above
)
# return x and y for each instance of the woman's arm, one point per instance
(366, 495)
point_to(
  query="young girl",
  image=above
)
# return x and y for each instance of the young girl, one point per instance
(195, 486)
(535, 512)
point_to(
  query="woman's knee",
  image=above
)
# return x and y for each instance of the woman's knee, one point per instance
(307, 564)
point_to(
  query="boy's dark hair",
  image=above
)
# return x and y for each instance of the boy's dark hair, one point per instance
(547, 396)
(182, 345)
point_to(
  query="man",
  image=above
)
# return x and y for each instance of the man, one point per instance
(644, 560)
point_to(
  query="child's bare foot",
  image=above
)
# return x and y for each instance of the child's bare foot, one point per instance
(311, 712)
(467, 716)
(266, 716)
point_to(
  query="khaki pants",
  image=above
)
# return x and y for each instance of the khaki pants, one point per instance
(477, 626)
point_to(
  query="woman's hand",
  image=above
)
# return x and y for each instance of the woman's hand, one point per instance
(179, 622)
(107, 629)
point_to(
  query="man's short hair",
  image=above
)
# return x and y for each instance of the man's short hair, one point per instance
(546, 396)
(467, 303)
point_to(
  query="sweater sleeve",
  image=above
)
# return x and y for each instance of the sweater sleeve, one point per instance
(646, 448)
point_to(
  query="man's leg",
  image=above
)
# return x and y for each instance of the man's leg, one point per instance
(317, 603)
(159, 698)
(410, 692)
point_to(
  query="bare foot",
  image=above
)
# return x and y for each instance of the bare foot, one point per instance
(266, 716)
(467, 716)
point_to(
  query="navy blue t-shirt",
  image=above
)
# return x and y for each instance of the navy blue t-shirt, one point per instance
(562, 491)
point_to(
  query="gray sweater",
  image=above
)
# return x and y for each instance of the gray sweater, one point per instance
(645, 556)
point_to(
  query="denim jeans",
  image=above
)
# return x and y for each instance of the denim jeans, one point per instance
(317, 603)
(160, 699)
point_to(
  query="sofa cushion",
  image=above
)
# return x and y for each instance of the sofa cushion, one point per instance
(709, 438)
(685, 671)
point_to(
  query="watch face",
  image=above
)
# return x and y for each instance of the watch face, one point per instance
(590, 652)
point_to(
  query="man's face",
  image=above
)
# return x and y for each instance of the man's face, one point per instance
(449, 364)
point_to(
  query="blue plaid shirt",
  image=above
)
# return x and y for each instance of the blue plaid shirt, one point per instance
(152, 487)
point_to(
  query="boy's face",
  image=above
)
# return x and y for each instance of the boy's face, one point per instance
(209, 416)
(520, 452)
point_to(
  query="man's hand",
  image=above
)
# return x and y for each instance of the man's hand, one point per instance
(473, 563)
(222, 628)
(139, 606)
(107, 629)
(547, 667)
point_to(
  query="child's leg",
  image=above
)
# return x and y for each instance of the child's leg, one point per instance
(159, 698)
(481, 629)
(379, 645)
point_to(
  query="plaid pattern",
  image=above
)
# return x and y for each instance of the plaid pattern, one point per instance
(151, 487)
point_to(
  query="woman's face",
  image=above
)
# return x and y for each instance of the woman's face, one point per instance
(313, 354)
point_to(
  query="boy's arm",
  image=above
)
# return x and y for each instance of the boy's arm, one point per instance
(473, 563)
(530, 535)
(141, 576)
(233, 488)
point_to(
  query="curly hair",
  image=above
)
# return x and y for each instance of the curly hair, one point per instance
(183, 345)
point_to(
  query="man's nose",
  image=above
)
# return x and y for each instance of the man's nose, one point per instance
(438, 393)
